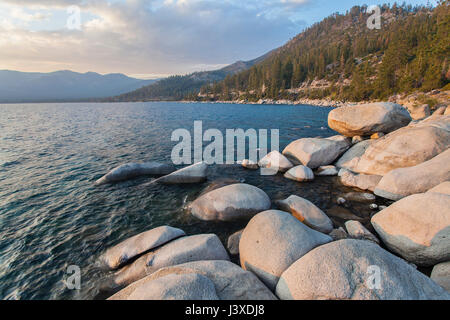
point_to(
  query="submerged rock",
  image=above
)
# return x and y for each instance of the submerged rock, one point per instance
(359, 197)
(125, 251)
(300, 174)
(406, 147)
(230, 281)
(192, 174)
(441, 275)
(367, 119)
(417, 228)
(360, 181)
(402, 182)
(275, 160)
(133, 170)
(357, 231)
(272, 241)
(186, 249)
(342, 214)
(315, 152)
(233, 202)
(307, 213)
(355, 270)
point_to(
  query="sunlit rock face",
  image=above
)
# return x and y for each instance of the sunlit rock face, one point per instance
(417, 228)
(272, 241)
(229, 203)
(367, 119)
(230, 281)
(406, 147)
(355, 270)
(402, 182)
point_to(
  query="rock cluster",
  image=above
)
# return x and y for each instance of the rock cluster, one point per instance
(298, 253)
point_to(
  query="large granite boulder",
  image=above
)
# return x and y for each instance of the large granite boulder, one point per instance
(230, 281)
(300, 174)
(402, 182)
(307, 213)
(272, 241)
(315, 152)
(190, 286)
(233, 202)
(133, 170)
(359, 180)
(355, 270)
(192, 174)
(441, 275)
(417, 228)
(350, 159)
(125, 251)
(187, 249)
(367, 119)
(276, 161)
(406, 147)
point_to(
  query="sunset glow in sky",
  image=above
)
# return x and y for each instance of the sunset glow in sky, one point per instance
(151, 38)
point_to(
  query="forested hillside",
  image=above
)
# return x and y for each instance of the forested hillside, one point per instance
(342, 59)
(178, 87)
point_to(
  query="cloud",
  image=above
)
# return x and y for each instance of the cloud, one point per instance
(22, 15)
(145, 36)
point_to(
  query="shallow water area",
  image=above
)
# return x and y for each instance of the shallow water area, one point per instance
(52, 216)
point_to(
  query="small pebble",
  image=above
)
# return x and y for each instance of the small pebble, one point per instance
(374, 206)
(341, 200)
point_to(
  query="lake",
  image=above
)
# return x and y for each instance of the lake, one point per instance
(52, 216)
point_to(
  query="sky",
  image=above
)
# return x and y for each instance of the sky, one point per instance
(151, 38)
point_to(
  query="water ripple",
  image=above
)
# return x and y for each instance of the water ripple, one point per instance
(51, 215)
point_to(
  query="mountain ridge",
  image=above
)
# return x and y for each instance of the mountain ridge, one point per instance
(63, 85)
(177, 87)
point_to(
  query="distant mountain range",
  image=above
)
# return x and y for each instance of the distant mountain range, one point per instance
(178, 87)
(63, 86)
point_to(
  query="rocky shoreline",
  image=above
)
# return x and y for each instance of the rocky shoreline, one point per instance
(296, 251)
(417, 104)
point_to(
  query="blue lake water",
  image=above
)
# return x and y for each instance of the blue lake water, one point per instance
(52, 215)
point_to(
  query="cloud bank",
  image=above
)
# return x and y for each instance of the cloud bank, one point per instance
(142, 37)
